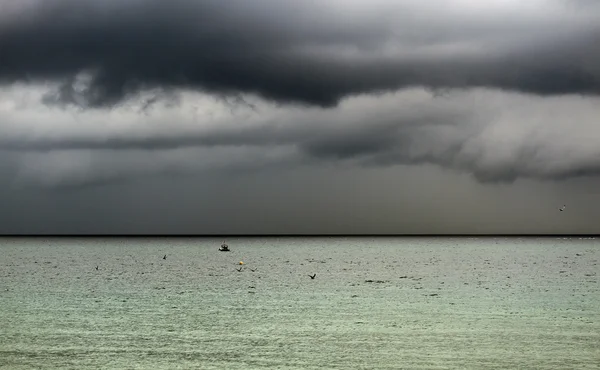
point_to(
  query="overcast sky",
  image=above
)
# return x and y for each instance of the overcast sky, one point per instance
(270, 116)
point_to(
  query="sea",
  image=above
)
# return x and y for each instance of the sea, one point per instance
(300, 303)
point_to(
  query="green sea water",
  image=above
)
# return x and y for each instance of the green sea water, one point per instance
(375, 303)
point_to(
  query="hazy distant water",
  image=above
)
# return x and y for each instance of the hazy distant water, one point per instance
(381, 303)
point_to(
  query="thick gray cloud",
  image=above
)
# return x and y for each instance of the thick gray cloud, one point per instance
(106, 51)
(438, 116)
(494, 136)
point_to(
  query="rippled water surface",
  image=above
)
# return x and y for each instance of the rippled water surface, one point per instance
(375, 303)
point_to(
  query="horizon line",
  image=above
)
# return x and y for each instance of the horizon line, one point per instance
(294, 235)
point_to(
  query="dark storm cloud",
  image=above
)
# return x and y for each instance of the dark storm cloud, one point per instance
(252, 137)
(106, 51)
(496, 137)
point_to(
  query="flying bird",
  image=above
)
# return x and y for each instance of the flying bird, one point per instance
(312, 276)
(562, 208)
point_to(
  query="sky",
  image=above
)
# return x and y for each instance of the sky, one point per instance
(299, 117)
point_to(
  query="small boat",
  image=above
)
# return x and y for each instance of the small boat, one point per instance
(224, 247)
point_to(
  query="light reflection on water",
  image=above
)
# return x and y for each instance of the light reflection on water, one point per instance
(376, 303)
